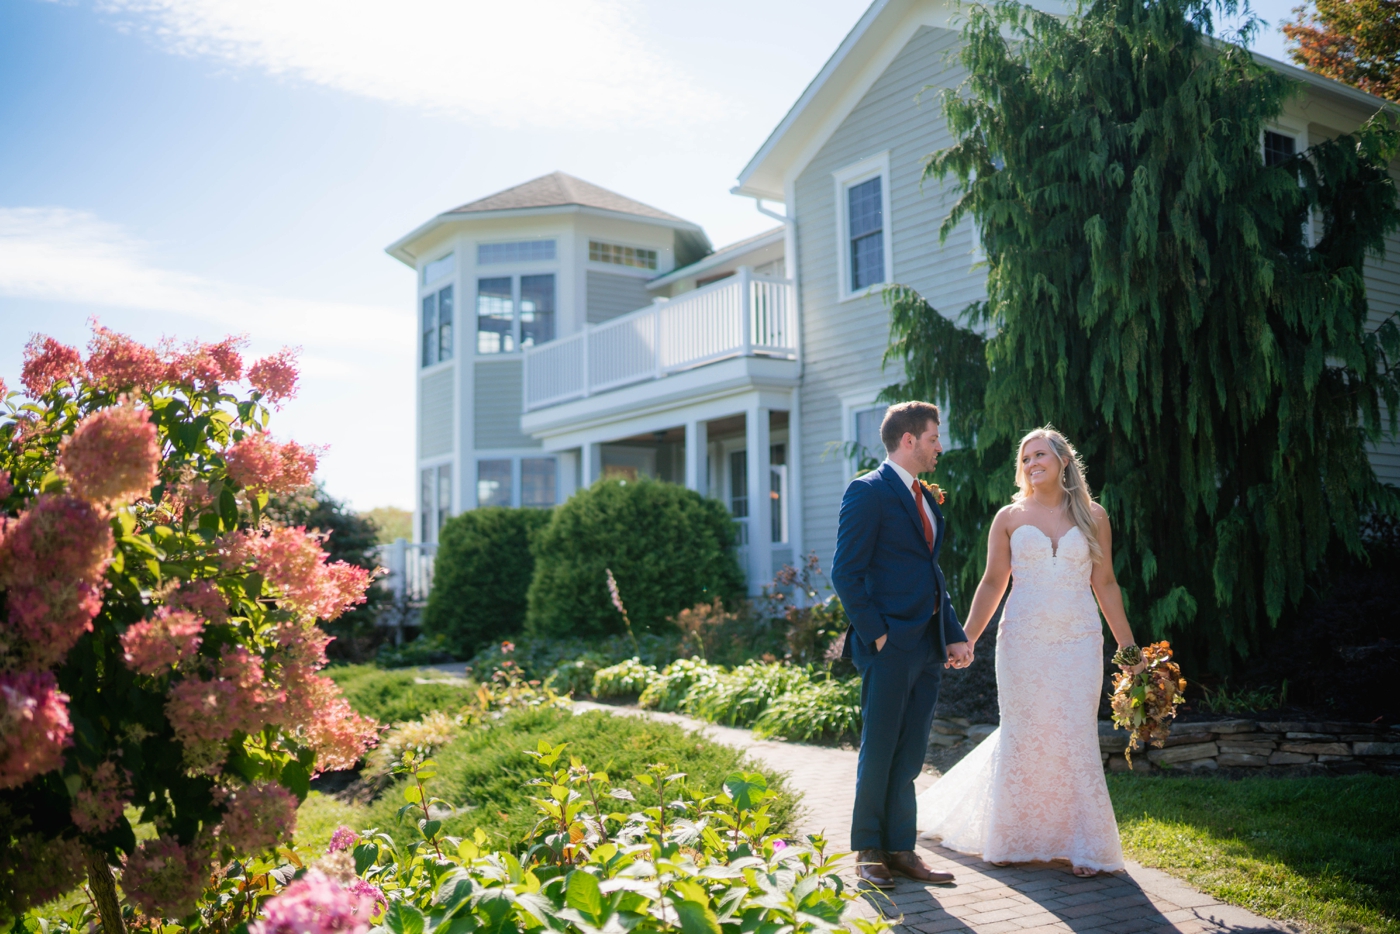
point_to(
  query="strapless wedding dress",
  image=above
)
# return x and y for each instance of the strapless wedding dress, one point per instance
(1034, 789)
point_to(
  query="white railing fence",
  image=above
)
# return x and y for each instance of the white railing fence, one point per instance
(745, 315)
(410, 566)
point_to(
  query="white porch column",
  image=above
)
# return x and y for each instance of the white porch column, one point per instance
(697, 446)
(568, 474)
(592, 463)
(760, 484)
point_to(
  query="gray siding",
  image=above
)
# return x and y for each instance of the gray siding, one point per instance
(498, 406)
(610, 295)
(843, 341)
(1383, 296)
(435, 414)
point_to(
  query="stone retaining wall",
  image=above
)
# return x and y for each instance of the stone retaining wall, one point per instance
(1228, 744)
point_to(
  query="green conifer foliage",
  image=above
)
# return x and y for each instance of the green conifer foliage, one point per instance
(1194, 320)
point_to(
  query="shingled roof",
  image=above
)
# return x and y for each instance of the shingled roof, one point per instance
(557, 189)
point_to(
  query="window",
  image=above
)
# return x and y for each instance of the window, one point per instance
(537, 481)
(437, 326)
(437, 269)
(863, 248)
(536, 310)
(497, 298)
(524, 251)
(865, 229)
(739, 492)
(1278, 148)
(435, 500)
(777, 455)
(493, 483)
(444, 495)
(495, 327)
(621, 255)
(868, 446)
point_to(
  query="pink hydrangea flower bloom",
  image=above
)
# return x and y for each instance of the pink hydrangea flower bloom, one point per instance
(275, 376)
(98, 804)
(292, 560)
(207, 365)
(34, 726)
(259, 463)
(6, 487)
(46, 362)
(327, 723)
(343, 839)
(236, 700)
(122, 363)
(258, 817)
(156, 645)
(314, 904)
(113, 456)
(164, 878)
(201, 598)
(369, 890)
(51, 561)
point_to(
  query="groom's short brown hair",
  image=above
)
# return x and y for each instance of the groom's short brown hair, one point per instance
(911, 417)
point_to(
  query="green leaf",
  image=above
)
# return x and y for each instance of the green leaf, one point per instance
(696, 918)
(403, 918)
(583, 894)
(747, 789)
(412, 794)
(228, 509)
(296, 779)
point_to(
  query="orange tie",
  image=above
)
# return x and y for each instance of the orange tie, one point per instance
(923, 513)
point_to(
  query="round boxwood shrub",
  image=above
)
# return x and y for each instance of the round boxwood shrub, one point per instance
(669, 548)
(481, 577)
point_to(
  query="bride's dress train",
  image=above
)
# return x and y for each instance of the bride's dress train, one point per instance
(1034, 790)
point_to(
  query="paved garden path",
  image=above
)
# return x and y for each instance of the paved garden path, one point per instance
(1030, 899)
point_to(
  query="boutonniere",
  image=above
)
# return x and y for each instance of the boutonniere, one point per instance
(935, 490)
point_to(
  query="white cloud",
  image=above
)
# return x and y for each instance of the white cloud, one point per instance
(57, 254)
(541, 63)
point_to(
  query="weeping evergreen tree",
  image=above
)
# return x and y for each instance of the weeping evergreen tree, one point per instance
(1194, 320)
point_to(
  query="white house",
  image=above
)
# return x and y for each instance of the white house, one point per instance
(737, 372)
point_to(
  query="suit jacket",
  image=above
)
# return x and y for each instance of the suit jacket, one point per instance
(888, 581)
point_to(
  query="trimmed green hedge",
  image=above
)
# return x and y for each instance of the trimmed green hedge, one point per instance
(481, 575)
(669, 548)
(391, 696)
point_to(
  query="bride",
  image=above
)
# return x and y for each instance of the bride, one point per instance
(1034, 790)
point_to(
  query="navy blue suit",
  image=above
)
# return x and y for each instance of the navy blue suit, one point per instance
(890, 584)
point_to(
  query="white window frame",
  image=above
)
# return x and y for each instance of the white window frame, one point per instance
(424, 282)
(514, 272)
(640, 271)
(850, 405)
(870, 167)
(1299, 134)
(434, 464)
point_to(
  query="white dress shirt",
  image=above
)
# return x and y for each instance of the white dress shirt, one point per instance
(921, 502)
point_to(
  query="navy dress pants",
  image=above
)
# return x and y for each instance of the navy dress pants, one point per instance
(898, 691)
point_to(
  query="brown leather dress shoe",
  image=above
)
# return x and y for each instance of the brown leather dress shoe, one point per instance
(908, 863)
(871, 869)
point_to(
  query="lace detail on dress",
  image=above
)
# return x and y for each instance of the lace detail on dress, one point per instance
(1035, 789)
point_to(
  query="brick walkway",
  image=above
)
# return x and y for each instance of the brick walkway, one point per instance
(1038, 898)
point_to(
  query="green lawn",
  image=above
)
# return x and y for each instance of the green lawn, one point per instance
(389, 696)
(1323, 851)
(486, 770)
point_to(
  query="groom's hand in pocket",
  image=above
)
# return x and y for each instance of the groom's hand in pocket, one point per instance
(880, 643)
(959, 655)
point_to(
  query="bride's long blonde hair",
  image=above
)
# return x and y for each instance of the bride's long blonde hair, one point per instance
(1071, 481)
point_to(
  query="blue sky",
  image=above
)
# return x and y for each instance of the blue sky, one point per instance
(192, 168)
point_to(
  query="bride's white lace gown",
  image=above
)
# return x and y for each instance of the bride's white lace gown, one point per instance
(1035, 789)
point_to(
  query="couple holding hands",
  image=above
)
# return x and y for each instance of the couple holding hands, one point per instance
(1034, 790)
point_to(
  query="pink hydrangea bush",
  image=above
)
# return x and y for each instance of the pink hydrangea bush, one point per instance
(259, 463)
(256, 818)
(104, 794)
(34, 726)
(315, 904)
(164, 878)
(147, 597)
(112, 457)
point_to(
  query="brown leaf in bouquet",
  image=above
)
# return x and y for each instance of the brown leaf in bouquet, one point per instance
(1145, 703)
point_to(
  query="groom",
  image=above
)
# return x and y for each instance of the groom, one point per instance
(903, 633)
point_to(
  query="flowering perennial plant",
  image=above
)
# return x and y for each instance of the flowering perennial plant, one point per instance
(159, 646)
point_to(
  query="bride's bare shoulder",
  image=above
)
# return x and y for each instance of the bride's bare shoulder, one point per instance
(1008, 517)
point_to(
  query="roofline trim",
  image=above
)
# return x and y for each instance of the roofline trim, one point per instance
(399, 248)
(719, 257)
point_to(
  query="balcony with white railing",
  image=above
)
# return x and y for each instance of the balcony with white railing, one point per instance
(745, 315)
